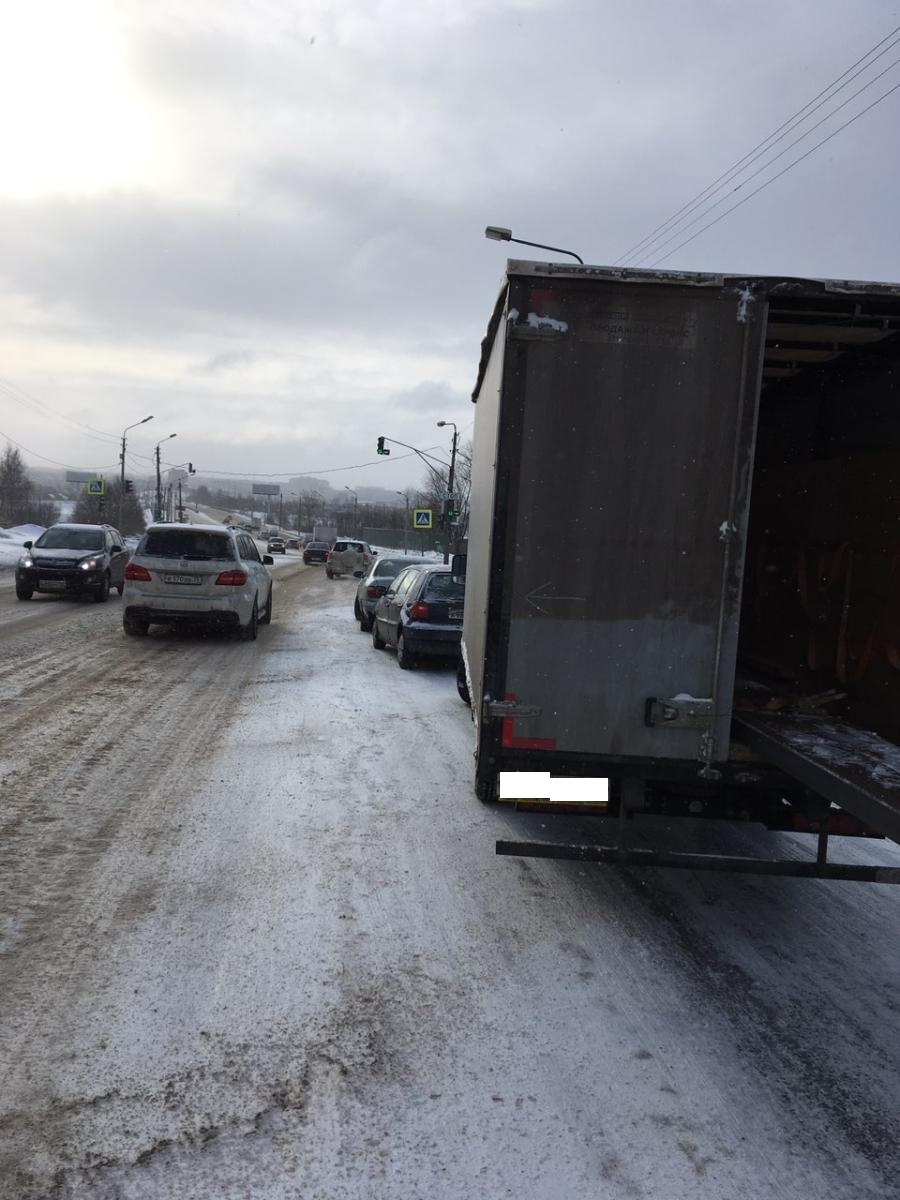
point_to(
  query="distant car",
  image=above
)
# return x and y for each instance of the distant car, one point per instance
(420, 613)
(375, 583)
(276, 545)
(197, 575)
(70, 559)
(348, 557)
(293, 543)
(315, 552)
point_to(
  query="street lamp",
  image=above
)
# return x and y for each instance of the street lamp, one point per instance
(122, 464)
(355, 505)
(448, 503)
(405, 496)
(496, 234)
(296, 496)
(158, 478)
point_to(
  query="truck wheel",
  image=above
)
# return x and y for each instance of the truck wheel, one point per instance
(23, 591)
(461, 685)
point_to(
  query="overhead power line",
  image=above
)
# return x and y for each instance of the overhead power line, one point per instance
(43, 457)
(802, 114)
(764, 185)
(14, 392)
(768, 163)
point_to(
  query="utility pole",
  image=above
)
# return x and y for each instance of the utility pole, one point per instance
(159, 477)
(405, 496)
(448, 504)
(122, 466)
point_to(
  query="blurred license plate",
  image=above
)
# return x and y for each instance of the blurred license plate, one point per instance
(181, 579)
(456, 614)
(52, 585)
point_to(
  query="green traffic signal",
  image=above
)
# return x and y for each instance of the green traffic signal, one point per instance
(381, 448)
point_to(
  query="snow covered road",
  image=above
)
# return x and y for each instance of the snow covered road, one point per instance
(256, 944)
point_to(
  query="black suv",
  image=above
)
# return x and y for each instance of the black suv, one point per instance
(72, 560)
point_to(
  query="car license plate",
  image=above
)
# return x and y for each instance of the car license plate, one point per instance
(52, 585)
(456, 614)
(181, 579)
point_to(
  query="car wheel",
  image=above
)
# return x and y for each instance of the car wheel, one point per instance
(329, 572)
(136, 626)
(356, 613)
(461, 685)
(24, 592)
(266, 618)
(365, 624)
(120, 588)
(249, 631)
(405, 660)
(377, 641)
(101, 594)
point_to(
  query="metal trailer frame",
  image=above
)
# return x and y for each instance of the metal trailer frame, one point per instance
(816, 788)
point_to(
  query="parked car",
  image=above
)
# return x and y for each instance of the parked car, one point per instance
(347, 557)
(71, 559)
(315, 552)
(375, 583)
(197, 575)
(276, 545)
(420, 613)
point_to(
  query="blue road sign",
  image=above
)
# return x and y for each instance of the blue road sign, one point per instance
(422, 518)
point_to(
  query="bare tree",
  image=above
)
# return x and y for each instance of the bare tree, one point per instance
(19, 503)
(434, 491)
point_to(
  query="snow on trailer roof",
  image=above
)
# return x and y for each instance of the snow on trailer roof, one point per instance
(809, 321)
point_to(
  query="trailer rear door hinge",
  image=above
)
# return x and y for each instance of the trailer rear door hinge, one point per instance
(510, 708)
(679, 712)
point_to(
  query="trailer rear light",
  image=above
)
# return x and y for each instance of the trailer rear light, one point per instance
(232, 578)
(419, 611)
(137, 573)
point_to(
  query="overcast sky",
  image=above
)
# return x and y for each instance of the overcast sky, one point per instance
(263, 222)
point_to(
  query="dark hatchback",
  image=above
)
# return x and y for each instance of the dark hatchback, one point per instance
(420, 613)
(69, 559)
(376, 582)
(315, 552)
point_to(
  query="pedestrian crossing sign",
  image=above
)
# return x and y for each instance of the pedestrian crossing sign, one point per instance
(422, 518)
(96, 487)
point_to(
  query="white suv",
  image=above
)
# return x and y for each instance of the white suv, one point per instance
(348, 557)
(197, 575)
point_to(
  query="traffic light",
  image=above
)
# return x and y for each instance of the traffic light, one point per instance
(129, 485)
(381, 449)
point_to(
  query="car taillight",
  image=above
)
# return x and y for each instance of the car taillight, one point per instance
(419, 611)
(232, 578)
(135, 572)
(374, 592)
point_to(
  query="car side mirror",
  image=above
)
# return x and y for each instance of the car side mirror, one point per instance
(27, 545)
(117, 549)
(268, 560)
(458, 567)
(358, 574)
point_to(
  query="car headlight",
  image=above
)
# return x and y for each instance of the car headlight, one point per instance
(89, 564)
(26, 561)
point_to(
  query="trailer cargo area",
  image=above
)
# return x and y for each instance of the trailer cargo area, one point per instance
(684, 545)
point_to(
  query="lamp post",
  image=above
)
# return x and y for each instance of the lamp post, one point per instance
(496, 234)
(355, 506)
(158, 477)
(405, 496)
(122, 465)
(297, 497)
(450, 479)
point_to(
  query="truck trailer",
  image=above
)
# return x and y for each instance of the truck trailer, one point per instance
(683, 568)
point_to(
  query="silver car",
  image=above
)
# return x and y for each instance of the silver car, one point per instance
(348, 557)
(375, 583)
(197, 575)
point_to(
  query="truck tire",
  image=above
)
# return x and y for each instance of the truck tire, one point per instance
(461, 685)
(486, 789)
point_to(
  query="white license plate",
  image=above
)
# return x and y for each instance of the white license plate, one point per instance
(52, 585)
(456, 614)
(181, 579)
